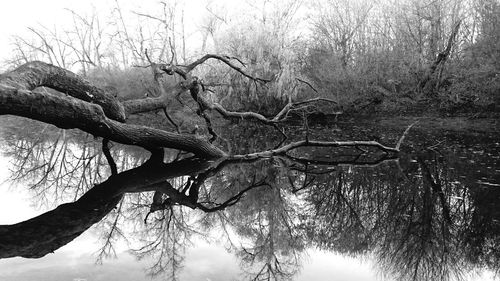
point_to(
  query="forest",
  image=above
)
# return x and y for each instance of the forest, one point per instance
(387, 57)
(275, 128)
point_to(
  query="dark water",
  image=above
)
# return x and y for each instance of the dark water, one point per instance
(433, 213)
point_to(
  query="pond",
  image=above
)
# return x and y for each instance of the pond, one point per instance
(430, 213)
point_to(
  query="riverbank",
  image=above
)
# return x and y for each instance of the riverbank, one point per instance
(472, 121)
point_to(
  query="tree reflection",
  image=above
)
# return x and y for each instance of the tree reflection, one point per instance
(267, 218)
(419, 216)
(59, 165)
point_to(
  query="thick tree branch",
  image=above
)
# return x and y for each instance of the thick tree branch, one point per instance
(88, 111)
(39, 74)
(149, 104)
(76, 114)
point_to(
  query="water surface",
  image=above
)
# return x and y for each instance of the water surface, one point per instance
(358, 214)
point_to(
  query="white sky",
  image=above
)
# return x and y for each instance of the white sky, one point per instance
(17, 15)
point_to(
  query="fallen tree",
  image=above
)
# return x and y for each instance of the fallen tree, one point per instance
(78, 104)
(82, 105)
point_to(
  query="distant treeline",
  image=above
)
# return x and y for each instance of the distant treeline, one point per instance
(370, 56)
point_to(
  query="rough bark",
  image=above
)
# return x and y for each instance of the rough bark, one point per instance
(161, 102)
(39, 74)
(94, 111)
(69, 113)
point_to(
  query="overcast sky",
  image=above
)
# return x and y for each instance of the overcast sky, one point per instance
(16, 16)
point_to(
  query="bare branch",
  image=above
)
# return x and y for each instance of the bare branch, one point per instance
(226, 60)
(311, 143)
(307, 83)
(231, 201)
(280, 117)
(184, 70)
(107, 154)
(398, 145)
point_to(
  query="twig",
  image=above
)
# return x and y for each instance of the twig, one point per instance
(172, 51)
(435, 145)
(314, 100)
(282, 132)
(308, 84)
(224, 59)
(404, 134)
(171, 120)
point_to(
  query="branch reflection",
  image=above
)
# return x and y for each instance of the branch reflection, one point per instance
(411, 214)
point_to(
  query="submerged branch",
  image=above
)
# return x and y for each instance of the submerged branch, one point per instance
(311, 143)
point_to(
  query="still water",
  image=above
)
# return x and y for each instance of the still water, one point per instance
(433, 213)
